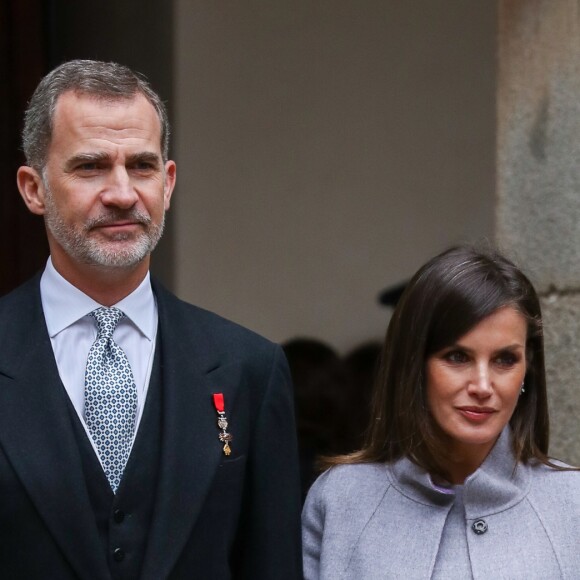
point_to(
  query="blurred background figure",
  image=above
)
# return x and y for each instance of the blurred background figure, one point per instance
(319, 399)
(360, 368)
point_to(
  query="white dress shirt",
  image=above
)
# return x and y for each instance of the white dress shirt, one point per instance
(72, 333)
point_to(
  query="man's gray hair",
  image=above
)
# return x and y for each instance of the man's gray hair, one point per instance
(108, 81)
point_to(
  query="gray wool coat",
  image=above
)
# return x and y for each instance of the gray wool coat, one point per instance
(385, 521)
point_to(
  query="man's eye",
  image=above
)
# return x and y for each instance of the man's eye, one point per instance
(87, 167)
(144, 166)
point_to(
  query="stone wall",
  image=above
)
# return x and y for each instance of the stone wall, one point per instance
(538, 188)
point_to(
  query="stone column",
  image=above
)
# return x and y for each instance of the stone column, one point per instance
(538, 188)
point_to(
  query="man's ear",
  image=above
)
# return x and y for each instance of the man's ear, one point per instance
(31, 189)
(170, 176)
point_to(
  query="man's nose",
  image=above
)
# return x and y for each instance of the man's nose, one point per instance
(119, 190)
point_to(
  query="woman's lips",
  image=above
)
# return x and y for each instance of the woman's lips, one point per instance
(476, 414)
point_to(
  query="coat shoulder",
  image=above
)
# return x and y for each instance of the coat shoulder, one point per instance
(556, 485)
(555, 498)
(338, 507)
(356, 483)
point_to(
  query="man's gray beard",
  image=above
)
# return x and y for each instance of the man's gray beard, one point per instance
(78, 244)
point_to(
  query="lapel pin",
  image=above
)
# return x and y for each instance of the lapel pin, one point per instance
(224, 436)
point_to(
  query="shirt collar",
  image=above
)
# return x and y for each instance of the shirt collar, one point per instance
(64, 304)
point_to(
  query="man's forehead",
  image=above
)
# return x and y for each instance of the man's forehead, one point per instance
(79, 101)
(84, 116)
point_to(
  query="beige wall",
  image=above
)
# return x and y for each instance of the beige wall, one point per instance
(325, 150)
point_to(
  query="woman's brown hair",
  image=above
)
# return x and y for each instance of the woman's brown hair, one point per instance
(445, 299)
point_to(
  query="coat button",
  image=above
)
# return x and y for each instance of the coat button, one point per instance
(118, 516)
(479, 527)
(118, 555)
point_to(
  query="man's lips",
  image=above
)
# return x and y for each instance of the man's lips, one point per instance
(119, 231)
(474, 413)
(119, 220)
(117, 225)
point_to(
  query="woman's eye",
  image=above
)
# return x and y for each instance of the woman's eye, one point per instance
(507, 359)
(456, 357)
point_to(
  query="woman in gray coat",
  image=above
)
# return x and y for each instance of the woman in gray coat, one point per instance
(454, 481)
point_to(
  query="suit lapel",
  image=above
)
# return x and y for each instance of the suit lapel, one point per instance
(37, 436)
(191, 451)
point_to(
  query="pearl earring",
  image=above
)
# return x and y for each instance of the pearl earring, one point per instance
(522, 388)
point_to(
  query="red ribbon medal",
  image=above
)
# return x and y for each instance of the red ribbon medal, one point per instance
(224, 436)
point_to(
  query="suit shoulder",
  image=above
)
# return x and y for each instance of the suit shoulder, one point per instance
(21, 308)
(20, 296)
(217, 328)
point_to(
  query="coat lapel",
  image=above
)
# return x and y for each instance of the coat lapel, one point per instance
(191, 451)
(37, 435)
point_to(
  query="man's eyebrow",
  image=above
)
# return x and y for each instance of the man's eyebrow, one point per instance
(100, 157)
(81, 158)
(144, 156)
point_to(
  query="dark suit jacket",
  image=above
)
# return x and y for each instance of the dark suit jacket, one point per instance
(215, 517)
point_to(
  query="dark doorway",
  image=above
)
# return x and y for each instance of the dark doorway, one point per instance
(38, 35)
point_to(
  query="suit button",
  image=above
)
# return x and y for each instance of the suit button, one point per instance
(118, 516)
(118, 555)
(479, 527)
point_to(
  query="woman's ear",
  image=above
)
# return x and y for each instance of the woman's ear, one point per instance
(31, 189)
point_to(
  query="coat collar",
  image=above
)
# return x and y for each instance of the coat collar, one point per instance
(499, 483)
(192, 371)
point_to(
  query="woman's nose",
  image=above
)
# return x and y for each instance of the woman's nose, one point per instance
(481, 383)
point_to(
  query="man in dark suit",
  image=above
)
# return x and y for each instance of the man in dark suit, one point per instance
(112, 461)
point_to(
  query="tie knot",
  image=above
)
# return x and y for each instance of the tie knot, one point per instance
(107, 320)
